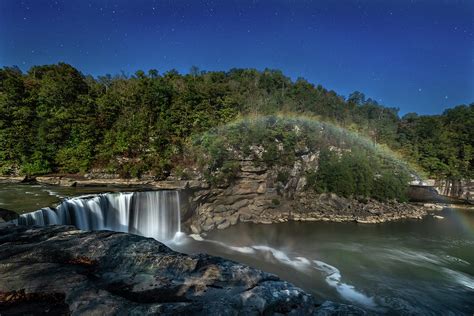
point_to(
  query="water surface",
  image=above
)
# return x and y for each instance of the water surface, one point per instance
(406, 267)
(24, 198)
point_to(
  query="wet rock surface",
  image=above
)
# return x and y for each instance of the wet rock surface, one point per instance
(60, 270)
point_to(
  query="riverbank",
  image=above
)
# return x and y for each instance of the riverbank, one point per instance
(81, 181)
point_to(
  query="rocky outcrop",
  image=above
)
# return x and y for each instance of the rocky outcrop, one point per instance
(60, 270)
(7, 215)
(68, 181)
(423, 193)
(330, 207)
(459, 189)
(272, 195)
(221, 209)
(462, 190)
(11, 179)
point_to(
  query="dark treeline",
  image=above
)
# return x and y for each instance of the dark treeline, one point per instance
(55, 119)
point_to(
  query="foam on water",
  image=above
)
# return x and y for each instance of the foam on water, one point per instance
(242, 249)
(179, 238)
(332, 274)
(461, 278)
(413, 257)
(53, 193)
(456, 260)
(246, 250)
(196, 237)
(298, 262)
(347, 291)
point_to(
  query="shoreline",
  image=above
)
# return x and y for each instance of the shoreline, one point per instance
(64, 181)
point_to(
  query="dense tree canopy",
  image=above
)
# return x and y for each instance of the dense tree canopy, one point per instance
(55, 119)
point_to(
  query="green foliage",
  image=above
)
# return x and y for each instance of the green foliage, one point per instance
(55, 119)
(225, 175)
(335, 174)
(389, 186)
(35, 167)
(76, 158)
(442, 145)
(283, 176)
(275, 202)
(358, 173)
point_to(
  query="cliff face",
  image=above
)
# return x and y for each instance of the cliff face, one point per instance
(278, 194)
(459, 189)
(61, 270)
(447, 190)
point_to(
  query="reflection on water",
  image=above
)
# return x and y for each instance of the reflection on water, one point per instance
(408, 267)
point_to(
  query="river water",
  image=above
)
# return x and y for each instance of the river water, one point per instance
(405, 267)
(23, 198)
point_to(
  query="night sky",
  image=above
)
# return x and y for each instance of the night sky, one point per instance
(415, 55)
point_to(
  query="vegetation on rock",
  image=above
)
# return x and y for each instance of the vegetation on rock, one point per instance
(344, 163)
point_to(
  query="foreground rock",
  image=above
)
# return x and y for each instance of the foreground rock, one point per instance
(61, 270)
(7, 215)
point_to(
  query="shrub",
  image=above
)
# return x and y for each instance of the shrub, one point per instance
(283, 176)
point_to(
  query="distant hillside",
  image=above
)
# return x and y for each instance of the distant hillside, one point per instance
(55, 119)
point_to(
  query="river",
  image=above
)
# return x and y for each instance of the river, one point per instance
(405, 267)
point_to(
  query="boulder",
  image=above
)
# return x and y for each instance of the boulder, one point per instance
(224, 224)
(251, 167)
(7, 215)
(262, 188)
(245, 187)
(220, 209)
(239, 204)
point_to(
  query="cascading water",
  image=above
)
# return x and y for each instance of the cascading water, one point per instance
(153, 214)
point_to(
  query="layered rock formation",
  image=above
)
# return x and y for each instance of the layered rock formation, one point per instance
(272, 195)
(60, 270)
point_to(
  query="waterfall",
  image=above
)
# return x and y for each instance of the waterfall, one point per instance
(155, 214)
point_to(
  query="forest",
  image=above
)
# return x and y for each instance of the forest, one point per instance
(54, 119)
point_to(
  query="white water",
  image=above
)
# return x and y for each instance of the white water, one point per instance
(461, 278)
(153, 214)
(331, 274)
(347, 291)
